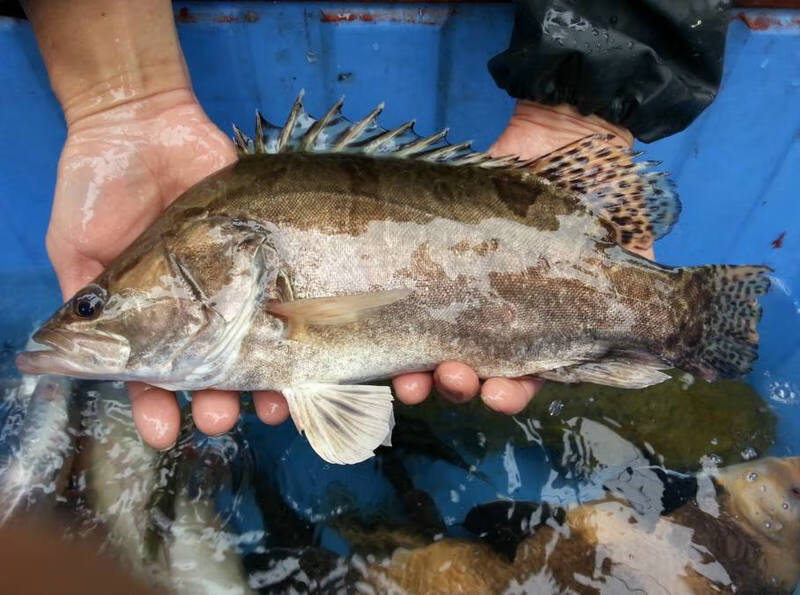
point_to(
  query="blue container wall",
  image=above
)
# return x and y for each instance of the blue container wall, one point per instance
(737, 166)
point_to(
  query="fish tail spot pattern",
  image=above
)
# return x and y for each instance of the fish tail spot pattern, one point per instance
(729, 342)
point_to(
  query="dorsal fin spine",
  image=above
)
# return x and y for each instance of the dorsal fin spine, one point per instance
(260, 148)
(310, 137)
(353, 132)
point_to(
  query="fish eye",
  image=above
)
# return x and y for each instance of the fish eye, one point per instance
(88, 304)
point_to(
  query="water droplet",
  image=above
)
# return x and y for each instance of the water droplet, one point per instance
(311, 57)
(714, 441)
(753, 476)
(785, 505)
(768, 525)
(555, 407)
(716, 459)
(749, 453)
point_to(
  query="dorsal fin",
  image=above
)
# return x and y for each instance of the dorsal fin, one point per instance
(333, 133)
(642, 206)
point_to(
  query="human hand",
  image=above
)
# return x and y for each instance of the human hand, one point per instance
(534, 130)
(119, 169)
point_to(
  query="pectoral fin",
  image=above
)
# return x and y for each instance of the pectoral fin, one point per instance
(610, 373)
(336, 310)
(343, 423)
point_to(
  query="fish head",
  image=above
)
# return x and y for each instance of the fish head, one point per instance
(765, 494)
(171, 312)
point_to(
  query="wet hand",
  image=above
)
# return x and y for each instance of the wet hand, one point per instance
(118, 171)
(534, 130)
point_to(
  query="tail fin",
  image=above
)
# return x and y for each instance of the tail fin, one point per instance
(728, 344)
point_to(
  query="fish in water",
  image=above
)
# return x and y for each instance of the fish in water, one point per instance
(40, 464)
(162, 531)
(332, 254)
(743, 536)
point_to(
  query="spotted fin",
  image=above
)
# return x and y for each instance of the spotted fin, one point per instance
(333, 133)
(336, 310)
(641, 205)
(729, 312)
(622, 374)
(344, 424)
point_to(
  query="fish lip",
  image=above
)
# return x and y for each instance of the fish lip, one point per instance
(44, 361)
(58, 351)
(54, 340)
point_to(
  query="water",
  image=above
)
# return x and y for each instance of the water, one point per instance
(466, 496)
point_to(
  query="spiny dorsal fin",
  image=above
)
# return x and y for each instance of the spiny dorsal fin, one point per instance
(642, 206)
(333, 133)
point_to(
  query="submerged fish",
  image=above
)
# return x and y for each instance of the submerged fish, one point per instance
(739, 536)
(39, 465)
(335, 253)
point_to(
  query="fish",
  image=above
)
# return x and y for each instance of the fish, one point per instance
(333, 254)
(739, 535)
(158, 508)
(37, 469)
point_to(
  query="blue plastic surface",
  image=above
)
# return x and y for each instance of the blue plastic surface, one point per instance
(737, 167)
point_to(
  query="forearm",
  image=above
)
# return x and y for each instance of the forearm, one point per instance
(104, 53)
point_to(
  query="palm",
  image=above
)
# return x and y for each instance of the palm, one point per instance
(117, 174)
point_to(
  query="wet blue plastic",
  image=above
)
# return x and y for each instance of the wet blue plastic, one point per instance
(737, 168)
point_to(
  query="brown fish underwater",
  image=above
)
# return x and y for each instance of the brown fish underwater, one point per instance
(336, 253)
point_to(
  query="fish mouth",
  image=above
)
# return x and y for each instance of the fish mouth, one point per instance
(74, 354)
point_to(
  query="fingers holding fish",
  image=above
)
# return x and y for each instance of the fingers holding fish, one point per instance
(413, 388)
(456, 382)
(215, 411)
(271, 407)
(510, 395)
(155, 413)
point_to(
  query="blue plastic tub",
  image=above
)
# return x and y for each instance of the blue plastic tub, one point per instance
(737, 169)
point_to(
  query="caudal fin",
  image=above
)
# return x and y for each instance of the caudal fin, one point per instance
(728, 343)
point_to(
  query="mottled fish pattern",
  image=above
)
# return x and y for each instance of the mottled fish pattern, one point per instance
(334, 253)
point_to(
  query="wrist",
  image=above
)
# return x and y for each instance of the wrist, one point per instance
(565, 122)
(149, 86)
(536, 129)
(104, 53)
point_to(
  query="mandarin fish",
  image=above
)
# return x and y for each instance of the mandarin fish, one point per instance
(336, 253)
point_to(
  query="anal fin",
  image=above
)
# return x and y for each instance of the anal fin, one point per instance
(344, 424)
(622, 374)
